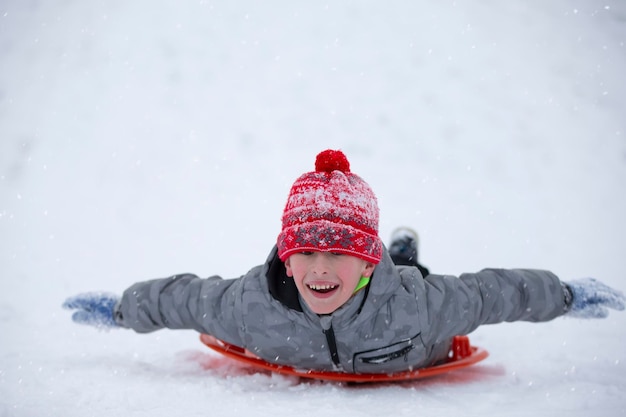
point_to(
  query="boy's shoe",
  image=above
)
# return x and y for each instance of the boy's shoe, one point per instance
(403, 247)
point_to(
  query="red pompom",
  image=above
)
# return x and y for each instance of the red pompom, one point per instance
(330, 160)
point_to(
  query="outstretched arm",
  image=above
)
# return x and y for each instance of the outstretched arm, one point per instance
(460, 305)
(211, 305)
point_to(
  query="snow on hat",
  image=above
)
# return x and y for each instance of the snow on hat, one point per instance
(331, 210)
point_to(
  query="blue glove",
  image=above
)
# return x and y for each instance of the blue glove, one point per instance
(94, 308)
(591, 299)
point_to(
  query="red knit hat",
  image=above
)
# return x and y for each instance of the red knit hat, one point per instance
(331, 210)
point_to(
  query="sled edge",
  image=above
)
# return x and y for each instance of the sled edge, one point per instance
(462, 355)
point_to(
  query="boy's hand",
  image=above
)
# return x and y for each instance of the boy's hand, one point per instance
(591, 299)
(94, 308)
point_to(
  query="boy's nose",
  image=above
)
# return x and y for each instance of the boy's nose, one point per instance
(320, 264)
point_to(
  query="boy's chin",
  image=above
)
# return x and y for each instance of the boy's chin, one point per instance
(323, 303)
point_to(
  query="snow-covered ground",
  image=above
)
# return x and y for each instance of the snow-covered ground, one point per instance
(141, 139)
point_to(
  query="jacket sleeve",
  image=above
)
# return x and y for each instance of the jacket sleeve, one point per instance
(457, 306)
(211, 305)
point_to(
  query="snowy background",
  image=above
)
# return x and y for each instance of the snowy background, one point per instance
(146, 138)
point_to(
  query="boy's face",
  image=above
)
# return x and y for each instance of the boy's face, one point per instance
(326, 280)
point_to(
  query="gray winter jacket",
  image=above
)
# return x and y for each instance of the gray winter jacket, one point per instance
(399, 321)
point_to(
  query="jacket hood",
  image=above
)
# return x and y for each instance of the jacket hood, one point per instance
(361, 306)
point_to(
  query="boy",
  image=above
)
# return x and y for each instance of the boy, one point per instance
(330, 297)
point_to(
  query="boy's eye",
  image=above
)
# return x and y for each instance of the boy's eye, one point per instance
(307, 253)
(337, 253)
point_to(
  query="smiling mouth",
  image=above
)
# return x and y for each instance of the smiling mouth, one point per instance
(322, 289)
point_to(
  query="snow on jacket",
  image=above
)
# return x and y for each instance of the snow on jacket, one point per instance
(399, 321)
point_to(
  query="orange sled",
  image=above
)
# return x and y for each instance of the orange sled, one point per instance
(461, 355)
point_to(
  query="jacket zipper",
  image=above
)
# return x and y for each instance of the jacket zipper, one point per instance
(389, 356)
(327, 329)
